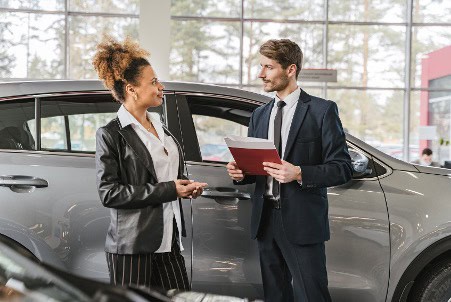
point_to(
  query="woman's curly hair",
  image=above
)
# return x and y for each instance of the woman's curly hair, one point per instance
(119, 63)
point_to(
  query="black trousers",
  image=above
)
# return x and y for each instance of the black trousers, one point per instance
(154, 270)
(290, 272)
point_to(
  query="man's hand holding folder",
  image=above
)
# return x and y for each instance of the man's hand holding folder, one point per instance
(249, 154)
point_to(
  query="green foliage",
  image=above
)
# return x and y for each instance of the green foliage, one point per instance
(442, 142)
(44, 38)
(7, 59)
(40, 64)
(198, 45)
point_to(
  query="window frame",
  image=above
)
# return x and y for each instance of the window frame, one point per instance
(168, 109)
(86, 96)
(78, 96)
(188, 130)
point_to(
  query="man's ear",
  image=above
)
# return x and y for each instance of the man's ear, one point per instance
(292, 70)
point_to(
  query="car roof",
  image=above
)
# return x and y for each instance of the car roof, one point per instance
(46, 87)
(26, 88)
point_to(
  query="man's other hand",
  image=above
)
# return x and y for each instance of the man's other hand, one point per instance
(284, 172)
(234, 172)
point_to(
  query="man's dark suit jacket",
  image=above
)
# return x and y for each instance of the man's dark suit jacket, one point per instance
(316, 142)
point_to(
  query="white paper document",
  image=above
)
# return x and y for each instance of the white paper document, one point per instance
(233, 141)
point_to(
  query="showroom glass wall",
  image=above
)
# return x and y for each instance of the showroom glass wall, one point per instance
(368, 42)
(55, 39)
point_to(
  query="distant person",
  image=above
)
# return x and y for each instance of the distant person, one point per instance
(140, 175)
(426, 159)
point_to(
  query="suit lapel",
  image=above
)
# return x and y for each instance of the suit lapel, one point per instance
(266, 114)
(138, 147)
(298, 117)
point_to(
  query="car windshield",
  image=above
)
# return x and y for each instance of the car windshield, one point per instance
(24, 280)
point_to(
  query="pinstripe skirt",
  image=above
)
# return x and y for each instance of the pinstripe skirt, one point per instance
(154, 270)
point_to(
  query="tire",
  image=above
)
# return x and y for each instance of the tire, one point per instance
(434, 285)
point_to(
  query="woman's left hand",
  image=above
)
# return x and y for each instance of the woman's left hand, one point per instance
(198, 190)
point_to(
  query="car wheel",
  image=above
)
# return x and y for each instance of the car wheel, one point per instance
(18, 247)
(434, 285)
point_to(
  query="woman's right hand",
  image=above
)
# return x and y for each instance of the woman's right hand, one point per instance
(189, 188)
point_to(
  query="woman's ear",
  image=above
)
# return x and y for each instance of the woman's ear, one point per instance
(131, 91)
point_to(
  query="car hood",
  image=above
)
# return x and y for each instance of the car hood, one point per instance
(433, 170)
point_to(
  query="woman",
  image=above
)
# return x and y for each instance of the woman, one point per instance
(140, 175)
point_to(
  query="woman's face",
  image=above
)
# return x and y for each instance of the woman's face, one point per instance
(149, 90)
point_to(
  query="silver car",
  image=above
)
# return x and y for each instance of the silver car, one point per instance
(390, 225)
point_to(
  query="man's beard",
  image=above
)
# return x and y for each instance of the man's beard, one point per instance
(281, 84)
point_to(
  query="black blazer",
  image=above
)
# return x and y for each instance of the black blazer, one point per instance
(127, 184)
(316, 142)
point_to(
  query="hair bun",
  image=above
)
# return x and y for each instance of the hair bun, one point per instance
(113, 58)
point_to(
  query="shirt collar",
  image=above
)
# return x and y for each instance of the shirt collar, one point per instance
(126, 118)
(290, 99)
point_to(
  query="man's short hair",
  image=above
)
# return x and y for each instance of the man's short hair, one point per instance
(426, 151)
(284, 51)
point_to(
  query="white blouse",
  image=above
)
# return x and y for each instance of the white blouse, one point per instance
(166, 168)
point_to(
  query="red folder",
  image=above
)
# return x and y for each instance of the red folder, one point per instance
(250, 153)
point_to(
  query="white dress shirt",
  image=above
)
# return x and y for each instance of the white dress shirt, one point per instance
(166, 168)
(288, 110)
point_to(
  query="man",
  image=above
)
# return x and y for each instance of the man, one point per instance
(290, 208)
(426, 159)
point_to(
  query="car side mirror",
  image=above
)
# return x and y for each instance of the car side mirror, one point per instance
(359, 164)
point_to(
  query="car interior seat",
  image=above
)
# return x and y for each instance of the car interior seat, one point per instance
(16, 138)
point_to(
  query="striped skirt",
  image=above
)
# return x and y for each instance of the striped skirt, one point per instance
(155, 270)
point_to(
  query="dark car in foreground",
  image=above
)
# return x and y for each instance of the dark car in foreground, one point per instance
(24, 278)
(390, 225)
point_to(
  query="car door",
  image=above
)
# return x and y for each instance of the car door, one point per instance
(65, 216)
(47, 187)
(358, 253)
(225, 259)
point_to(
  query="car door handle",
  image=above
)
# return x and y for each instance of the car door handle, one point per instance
(225, 193)
(22, 181)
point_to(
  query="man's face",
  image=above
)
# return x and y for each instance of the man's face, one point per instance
(274, 77)
(427, 159)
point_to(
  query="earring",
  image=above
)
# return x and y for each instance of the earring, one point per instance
(135, 96)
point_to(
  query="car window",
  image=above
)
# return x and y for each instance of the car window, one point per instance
(53, 133)
(15, 132)
(83, 127)
(214, 119)
(211, 132)
(70, 124)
